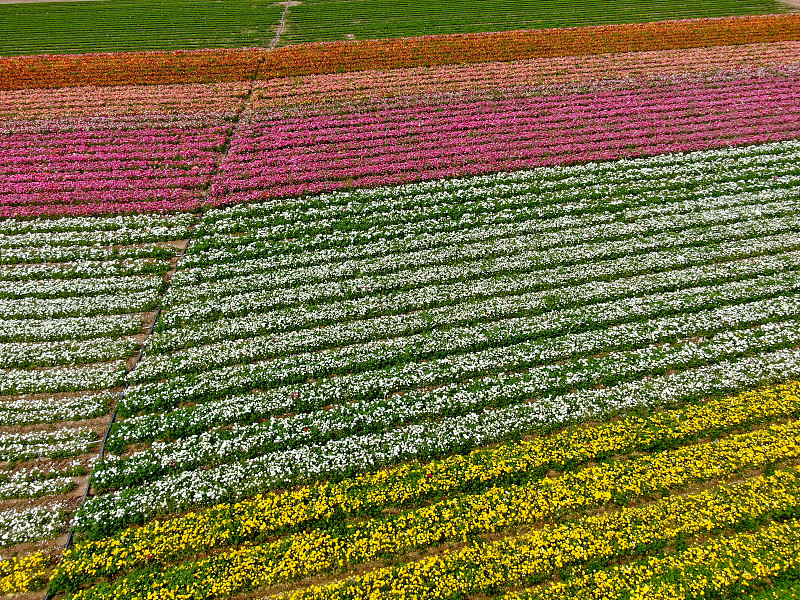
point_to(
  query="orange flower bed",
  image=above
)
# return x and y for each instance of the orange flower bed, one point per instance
(206, 66)
(127, 68)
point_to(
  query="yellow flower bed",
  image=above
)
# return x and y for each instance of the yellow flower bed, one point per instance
(23, 574)
(788, 590)
(409, 484)
(483, 567)
(714, 569)
(308, 553)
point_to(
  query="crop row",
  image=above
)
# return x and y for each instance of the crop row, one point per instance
(526, 317)
(497, 232)
(44, 521)
(23, 573)
(515, 264)
(330, 542)
(72, 407)
(121, 102)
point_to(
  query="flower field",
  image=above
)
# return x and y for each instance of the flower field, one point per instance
(519, 327)
(31, 28)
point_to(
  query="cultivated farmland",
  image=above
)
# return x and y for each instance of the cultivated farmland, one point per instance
(518, 317)
(132, 25)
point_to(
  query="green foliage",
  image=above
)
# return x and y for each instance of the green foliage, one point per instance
(128, 25)
(325, 20)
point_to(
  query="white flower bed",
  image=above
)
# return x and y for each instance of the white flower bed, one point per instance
(78, 270)
(37, 354)
(73, 328)
(225, 297)
(62, 288)
(100, 304)
(84, 225)
(24, 410)
(31, 524)
(581, 372)
(68, 441)
(63, 379)
(642, 295)
(72, 296)
(232, 350)
(45, 253)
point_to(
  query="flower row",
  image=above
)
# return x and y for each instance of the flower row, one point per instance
(20, 525)
(251, 348)
(495, 253)
(151, 151)
(25, 410)
(157, 101)
(72, 328)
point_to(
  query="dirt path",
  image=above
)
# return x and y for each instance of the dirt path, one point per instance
(287, 5)
(792, 3)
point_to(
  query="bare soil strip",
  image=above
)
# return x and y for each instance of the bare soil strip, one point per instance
(287, 4)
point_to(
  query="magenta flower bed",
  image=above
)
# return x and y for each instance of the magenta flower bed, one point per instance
(285, 157)
(82, 151)
(111, 171)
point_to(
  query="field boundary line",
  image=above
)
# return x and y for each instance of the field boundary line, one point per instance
(281, 26)
(245, 104)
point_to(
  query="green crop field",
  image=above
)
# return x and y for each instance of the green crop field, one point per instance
(127, 25)
(324, 20)
(117, 25)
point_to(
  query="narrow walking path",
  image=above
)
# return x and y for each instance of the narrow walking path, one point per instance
(282, 24)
